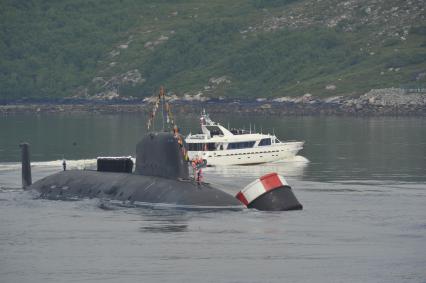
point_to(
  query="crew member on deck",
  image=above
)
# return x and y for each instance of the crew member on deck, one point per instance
(175, 131)
(197, 164)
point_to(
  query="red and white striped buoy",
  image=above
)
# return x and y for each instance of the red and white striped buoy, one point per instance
(269, 192)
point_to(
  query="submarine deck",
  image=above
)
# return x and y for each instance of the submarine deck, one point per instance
(131, 187)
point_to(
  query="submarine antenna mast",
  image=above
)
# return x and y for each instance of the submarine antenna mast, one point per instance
(26, 165)
(167, 115)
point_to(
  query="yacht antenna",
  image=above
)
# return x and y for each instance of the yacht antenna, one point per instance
(250, 128)
(255, 128)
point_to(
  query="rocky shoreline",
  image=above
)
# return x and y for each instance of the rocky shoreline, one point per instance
(380, 102)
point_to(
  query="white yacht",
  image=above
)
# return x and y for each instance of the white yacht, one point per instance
(221, 146)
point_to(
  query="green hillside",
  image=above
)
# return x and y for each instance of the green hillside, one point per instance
(252, 48)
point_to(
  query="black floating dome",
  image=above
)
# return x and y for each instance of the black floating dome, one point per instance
(270, 192)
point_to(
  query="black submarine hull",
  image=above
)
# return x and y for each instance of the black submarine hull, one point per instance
(132, 188)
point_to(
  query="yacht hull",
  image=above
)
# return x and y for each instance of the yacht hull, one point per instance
(249, 156)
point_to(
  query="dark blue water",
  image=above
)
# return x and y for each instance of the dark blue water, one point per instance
(362, 183)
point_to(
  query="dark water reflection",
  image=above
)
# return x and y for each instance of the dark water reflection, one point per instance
(153, 219)
(168, 227)
(165, 226)
(166, 221)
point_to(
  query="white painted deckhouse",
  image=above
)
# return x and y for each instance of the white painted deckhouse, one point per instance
(220, 146)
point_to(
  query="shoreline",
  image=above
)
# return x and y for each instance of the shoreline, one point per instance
(380, 102)
(275, 109)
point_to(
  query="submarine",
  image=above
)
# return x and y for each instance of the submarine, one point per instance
(161, 177)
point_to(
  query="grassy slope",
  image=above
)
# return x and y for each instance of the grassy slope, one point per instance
(55, 48)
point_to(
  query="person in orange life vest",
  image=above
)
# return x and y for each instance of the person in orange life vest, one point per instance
(175, 131)
(180, 142)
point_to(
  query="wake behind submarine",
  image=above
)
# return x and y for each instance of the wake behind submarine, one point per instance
(161, 176)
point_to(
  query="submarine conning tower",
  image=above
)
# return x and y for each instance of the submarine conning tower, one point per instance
(162, 154)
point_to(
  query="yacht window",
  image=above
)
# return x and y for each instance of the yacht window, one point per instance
(266, 141)
(210, 146)
(214, 131)
(238, 145)
(195, 146)
(238, 131)
(201, 146)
